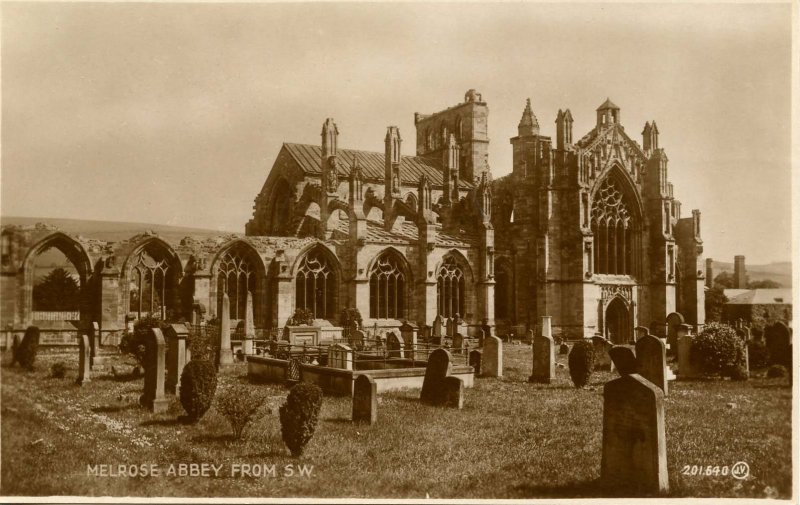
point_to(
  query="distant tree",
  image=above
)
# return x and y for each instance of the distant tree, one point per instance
(57, 291)
(764, 284)
(724, 280)
(715, 300)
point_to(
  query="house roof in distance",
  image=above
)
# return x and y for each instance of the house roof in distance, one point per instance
(779, 296)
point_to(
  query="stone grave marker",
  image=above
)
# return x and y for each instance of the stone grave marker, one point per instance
(651, 359)
(394, 345)
(357, 337)
(544, 355)
(365, 400)
(475, 360)
(409, 332)
(436, 390)
(458, 343)
(225, 349)
(778, 339)
(94, 342)
(176, 336)
(602, 361)
(623, 358)
(340, 356)
(249, 326)
(454, 392)
(481, 336)
(154, 398)
(685, 341)
(84, 360)
(641, 331)
(492, 360)
(634, 458)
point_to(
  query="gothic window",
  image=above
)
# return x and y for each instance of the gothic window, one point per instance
(459, 129)
(429, 139)
(387, 288)
(236, 276)
(316, 285)
(451, 289)
(615, 231)
(148, 290)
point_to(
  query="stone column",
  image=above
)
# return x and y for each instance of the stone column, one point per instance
(543, 368)
(492, 360)
(176, 351)
(154, 398)
(84, 372)
(249, 326)
(225, 351)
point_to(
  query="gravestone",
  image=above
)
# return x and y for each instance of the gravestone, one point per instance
(602, 361)
(436, 390)
(176, 336)
(458, 343)
(249, 326)
(340, 356)
(481, 336)
(365, 400)
(641, 331)
(651, 359)
(84, 360)
(777, 337)
(634, 458)
(409, 333)
(154, 397)
(357, 338)
(492, 360)
(225, 350)
(685, 341)
(450, 325)
(94, 342)
(394, 345)
(544, 355)
(454, 392)
(475, 360)
(438, 331)
(623, 358)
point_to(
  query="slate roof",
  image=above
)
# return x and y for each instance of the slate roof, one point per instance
(608, 104)
(407, 234)
(372, 165)
(779, 296)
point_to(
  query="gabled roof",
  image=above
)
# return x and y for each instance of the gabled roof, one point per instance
(608, 104)
(308, 158)
(779, 296)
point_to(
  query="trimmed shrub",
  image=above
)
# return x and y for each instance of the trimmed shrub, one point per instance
(717, 349)
(776, 372)
(133, 344)
(581, 363)
(239, 405)
(58, 370)
(299, 416)
(758, 354)
(563, 349)
(738, 373)
(204, 345)
(198, 385)
(28, 348)
(301, 317)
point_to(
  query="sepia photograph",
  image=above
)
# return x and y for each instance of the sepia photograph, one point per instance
(421, 251)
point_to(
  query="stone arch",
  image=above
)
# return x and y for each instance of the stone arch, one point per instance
(152, 274)
(674, 320)
(317, 274)
(455, 290)
(75, 254)
(238, 267)
(390, 285)
(281, 207)
(411, 200)
(618, 321)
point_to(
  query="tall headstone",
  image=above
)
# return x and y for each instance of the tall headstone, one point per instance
(651, 358)
(155, 350)
(225, 350)
(94, 342)
(434, 389)
(176, 356)
(453, 392)
(458, 343)
(544, 355)
(438, 331)
(365, 400)
(492, 360)
(409, 334)
(602, 361)
(394, 345)
(249, 326)
(84, 360)
(475, 357)
(685, 341)
(634, 459)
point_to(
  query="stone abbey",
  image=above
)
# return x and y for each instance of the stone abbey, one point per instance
(586, 231)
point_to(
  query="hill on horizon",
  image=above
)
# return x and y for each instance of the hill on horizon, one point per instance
(113, 231)
(779, 271)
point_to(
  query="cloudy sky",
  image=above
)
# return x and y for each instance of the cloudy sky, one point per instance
(173, 114)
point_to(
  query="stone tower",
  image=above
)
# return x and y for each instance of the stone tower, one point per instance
(739, 273)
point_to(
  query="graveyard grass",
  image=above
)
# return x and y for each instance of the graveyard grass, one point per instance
(512, 439)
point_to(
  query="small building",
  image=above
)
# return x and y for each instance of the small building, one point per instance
(758, 305)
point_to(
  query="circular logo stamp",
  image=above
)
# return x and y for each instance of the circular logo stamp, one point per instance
(740, 470)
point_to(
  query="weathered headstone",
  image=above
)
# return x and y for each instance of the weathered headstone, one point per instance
(544, 355)
(685, 341)
(249, 326)
(395, 346)
(641, 331)
(481, 336)
(434, 386)
(651, 358)
(777, 337)
(94, 342)
(365, 400)
(340, 356)
(602, 361)
(623, 358)
(453, 392)
(154, 397)
(450, 325)
(357, 338)
(409, 333)
(176, 336)
(458, 343)
(225, 350)
(438, 330)
(84, 360)
(475, 360)
(634, 459)
(492, 360)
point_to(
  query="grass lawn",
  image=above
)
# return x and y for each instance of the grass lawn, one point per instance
(512, 440)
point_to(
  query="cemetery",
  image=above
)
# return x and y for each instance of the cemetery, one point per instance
(484, 417)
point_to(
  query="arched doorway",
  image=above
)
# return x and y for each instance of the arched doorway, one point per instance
(618, 328)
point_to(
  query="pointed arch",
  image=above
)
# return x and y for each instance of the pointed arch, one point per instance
(317, 274)
(453, 278)
(151, 276)
(237, 269)
(389, 285)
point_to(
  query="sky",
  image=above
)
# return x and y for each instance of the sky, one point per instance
(174, 113)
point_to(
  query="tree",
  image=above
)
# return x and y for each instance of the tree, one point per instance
(763, 284)
(724, 280)
(58, 291)
(715, 300)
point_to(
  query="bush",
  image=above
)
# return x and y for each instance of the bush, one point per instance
(133, 344)
(581, 363)
(349, 316)
(301, 317)
(776, 372)
(28, 348)
(204, 345)
(717, 349)
(738, 373)
(239, 405)
(299, 416)
(198, 385)
(563, 349)
(758, 354)
(58, 370)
